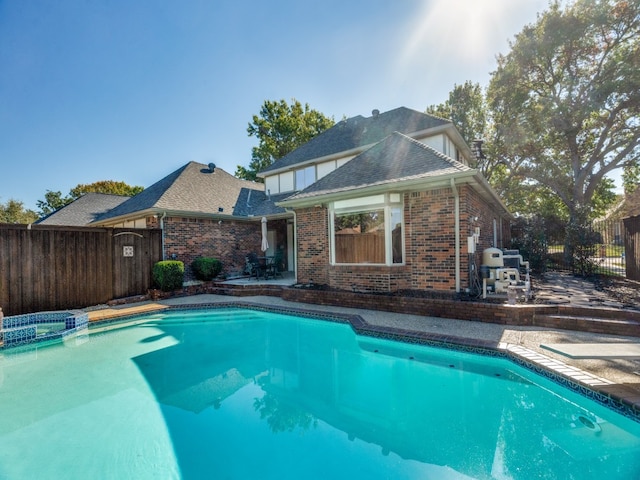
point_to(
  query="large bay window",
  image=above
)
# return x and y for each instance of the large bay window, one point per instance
(367, 230)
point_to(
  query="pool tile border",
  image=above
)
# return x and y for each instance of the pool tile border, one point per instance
(22, 329)
(602, 391)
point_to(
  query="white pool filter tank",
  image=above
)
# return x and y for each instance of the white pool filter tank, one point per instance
(491, 261)
(495, 275)
(492, 257)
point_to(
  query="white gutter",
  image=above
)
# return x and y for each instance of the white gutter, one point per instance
(456, 196)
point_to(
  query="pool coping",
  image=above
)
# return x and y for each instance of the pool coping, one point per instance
(614, 396)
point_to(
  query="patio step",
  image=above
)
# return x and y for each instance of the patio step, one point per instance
(594, 324)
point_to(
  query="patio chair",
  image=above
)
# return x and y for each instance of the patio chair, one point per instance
(253, 267)
(276, 264)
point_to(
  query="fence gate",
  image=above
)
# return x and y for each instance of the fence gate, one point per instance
(632, 246)
(54, 268)
(602, 248)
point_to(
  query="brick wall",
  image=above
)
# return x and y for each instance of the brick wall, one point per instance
(429, 245)
(369, 278)
(548, 316)
(479, 214)
(229, 241)
(313, 246)
(430, 239)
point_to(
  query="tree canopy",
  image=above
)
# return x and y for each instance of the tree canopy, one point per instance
(14, 212)
(280, 128)
(466, 108)
(566, 99)
(53, 200)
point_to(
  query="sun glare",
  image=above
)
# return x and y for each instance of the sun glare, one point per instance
(465, 30)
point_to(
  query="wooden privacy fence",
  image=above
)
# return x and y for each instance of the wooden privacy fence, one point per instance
(632, 246)
(46, 268)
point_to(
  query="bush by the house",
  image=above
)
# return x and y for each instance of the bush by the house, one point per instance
(206, 268)
(168, 275)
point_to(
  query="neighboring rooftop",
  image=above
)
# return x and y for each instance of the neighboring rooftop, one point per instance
(357, 132)
(83, 210)
(193, 188)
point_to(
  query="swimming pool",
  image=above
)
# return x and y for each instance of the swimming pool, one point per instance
(235, 393)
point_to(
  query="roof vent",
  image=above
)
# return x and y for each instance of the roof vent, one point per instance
(212, 167)
(375, 112)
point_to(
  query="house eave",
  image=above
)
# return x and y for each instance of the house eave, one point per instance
(355, 192)
(171, 213)
(470, 177)
(490, 196)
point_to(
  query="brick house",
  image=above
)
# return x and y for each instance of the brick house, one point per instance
(380, 203)
(388, 203)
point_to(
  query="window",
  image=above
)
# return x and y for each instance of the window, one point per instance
(305, 177)
(368, 230)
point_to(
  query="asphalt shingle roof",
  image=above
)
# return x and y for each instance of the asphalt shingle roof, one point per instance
(256, 203)
(357, 132)
(395, 159)
(193, 188)
(84, 210)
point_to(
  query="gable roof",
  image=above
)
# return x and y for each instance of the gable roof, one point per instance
(358, 132)
(83, 210)
(397, 163)
(192, 189)
(394, 160)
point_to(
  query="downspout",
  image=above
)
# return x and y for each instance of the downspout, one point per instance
(456, 196)
(164, 214)
(295, 243)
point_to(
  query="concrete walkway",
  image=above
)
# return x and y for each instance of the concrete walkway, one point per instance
(562, 289)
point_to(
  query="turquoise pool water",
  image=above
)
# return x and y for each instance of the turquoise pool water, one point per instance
(244, 394)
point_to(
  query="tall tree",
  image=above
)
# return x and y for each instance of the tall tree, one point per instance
(105, 186)
(280, 129)
(631, 177)
(566, 99)
(54, 200)
(466, 108)
(14, 212)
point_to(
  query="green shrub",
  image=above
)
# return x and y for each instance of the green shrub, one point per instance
(206, 268)
(168, 275)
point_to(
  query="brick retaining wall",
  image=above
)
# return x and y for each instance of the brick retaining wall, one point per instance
(606, 321)
(565, 317)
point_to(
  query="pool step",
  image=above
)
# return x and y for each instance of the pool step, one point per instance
(593, 324)
(111, 313)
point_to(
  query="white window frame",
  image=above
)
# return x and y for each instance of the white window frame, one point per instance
(305, 171)
(386, 202)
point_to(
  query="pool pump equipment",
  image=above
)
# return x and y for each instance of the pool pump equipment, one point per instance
(504, 271)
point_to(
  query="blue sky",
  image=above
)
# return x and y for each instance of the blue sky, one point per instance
(131, 90)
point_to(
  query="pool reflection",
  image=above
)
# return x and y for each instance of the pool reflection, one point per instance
(477, 416)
